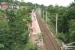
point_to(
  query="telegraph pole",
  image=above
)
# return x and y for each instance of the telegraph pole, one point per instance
(35, 7)
(43, 14)
(46, 17)
(56, 24)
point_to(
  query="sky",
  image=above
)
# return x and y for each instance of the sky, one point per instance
(51, 2)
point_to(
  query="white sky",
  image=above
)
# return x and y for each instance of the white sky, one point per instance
(51, 2)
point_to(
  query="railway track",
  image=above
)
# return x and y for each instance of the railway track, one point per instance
(49, 40)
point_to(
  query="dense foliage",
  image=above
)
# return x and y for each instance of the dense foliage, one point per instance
(14, 30)
(14, 33)
(14, 24)
(66, 20)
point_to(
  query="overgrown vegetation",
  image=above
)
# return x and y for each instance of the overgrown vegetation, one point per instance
(66, 21)
(14, 24)
(14, 33)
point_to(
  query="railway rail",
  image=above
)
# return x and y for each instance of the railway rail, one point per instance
(48, 39)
